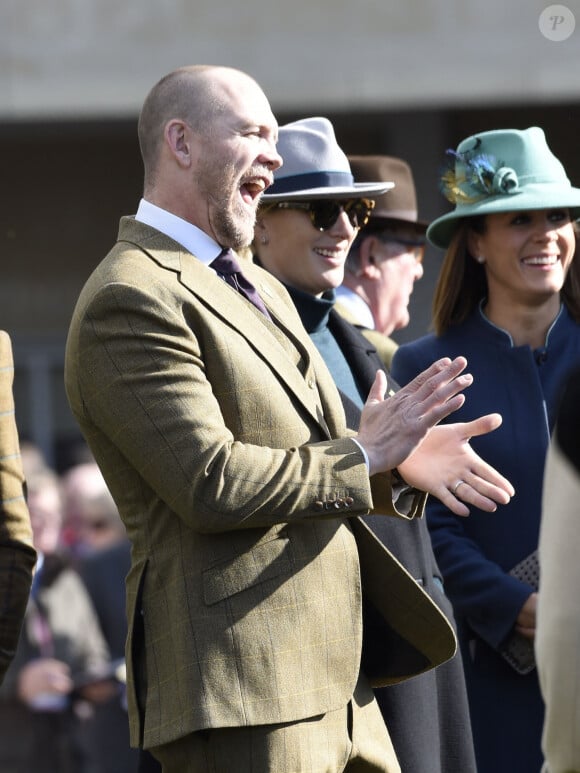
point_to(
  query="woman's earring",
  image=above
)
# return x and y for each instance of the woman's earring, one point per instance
(263, 239)
(480, 259)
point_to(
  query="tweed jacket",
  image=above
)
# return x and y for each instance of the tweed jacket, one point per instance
(223, 441)
(17, 556)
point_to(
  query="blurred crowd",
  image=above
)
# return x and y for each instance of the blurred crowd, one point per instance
(62, 702)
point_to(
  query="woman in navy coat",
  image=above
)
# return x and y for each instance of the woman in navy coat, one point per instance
(508, 299)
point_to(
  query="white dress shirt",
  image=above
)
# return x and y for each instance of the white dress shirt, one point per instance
(188, 235)
(358, 307)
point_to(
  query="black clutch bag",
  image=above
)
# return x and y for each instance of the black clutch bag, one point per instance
(517, 650)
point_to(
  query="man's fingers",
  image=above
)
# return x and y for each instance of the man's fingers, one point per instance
(437, 386)
(378, 390)
(445, 366)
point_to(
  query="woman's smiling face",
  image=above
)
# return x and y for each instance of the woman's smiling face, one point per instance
(526, 252)
(300, 255)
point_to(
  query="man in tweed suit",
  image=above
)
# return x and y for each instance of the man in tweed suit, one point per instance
(17, 555)
(223, 440)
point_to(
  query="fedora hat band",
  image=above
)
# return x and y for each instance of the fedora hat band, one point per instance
(299, 182)
(409, 215)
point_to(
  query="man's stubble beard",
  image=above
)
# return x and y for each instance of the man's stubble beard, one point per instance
(232, 223)
(234, 228)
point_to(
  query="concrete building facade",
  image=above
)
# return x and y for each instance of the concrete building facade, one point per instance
(408, 79)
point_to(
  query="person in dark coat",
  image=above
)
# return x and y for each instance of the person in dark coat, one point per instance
(386, 258)
(103, 573)
(427, 716)
(61, 668)
(104, 560)
(507, 299)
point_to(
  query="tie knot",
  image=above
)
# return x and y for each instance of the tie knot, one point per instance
(226, 263)
(227, 266)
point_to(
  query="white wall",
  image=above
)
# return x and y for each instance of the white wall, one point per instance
(76, 58)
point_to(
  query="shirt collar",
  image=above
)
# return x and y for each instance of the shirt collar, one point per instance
(195, 241)
(358, 307)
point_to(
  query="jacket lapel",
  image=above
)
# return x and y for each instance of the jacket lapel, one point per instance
(241, 316)
(360, 354)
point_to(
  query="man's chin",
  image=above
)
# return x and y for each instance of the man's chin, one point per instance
(238, 230)
(243, 234)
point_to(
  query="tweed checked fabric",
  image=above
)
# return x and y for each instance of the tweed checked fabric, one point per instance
(17, 555)
(351, 738)
(235, 479)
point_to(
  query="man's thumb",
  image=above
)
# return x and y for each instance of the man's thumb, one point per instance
(378, 389)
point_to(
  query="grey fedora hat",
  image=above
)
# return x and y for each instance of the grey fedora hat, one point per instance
(314, 166)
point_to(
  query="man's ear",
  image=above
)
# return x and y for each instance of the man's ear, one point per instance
(368, 261)
(178, 139)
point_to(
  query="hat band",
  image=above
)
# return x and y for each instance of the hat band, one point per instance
(303, 182)
(396, 214)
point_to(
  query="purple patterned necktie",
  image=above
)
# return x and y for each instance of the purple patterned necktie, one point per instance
(227, 266)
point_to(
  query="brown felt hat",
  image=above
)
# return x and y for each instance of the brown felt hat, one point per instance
(400, 204)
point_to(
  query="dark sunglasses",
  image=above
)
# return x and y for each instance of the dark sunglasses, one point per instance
(415, 246)
(324, 213)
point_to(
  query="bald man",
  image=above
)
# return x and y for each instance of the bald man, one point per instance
(222, 438)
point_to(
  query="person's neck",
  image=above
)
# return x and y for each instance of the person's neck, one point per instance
(356, 286)
(526, 324)
(359, 301)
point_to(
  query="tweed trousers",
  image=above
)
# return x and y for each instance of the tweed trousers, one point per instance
(353, 738)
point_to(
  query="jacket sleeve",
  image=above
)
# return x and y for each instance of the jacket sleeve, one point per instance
(199, 413)
(17, 555)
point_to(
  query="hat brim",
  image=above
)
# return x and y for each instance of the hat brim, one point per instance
(362, 190)
(534, 196)
(419, 226)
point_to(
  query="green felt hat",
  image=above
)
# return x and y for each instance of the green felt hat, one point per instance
(502, 171)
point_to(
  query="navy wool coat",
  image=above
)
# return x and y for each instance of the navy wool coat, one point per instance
(476, 553)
